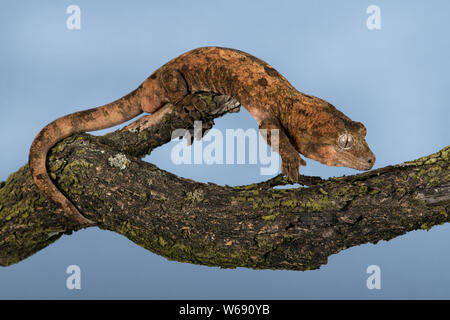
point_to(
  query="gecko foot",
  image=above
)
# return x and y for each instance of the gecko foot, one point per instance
(290, 165)
(198, 133)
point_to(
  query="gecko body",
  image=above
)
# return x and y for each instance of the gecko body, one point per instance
(307, 125)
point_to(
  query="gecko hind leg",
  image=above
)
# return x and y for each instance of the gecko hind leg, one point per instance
(149, 120)
(192, 108)
(204, 108)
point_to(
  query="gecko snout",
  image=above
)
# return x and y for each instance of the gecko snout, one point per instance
(370, 161)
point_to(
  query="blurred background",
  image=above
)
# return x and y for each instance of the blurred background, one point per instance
(395, 80)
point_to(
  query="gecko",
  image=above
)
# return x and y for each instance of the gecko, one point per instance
(305, 124)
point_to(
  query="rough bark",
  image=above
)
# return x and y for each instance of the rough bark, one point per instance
(255, 226)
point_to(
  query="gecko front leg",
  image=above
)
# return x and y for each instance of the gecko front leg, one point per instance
(290, 158)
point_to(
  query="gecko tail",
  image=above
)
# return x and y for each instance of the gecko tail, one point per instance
(102, 117)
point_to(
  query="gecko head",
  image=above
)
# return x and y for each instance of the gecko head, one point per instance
(336, 140)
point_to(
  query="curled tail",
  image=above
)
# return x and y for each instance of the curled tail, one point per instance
(102, 117)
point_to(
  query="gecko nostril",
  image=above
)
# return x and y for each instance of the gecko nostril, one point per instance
(370, 160)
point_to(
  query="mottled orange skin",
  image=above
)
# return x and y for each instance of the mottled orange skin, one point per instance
(306, 124)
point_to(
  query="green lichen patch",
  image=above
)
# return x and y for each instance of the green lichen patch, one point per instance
(238, 199)
(246, 187)
(59, 147)
(21, 209)
(56, 165)
(270, 217)
(292, 203)
(318, 204)
(195, 196)
(425, 226)
(270, 204)
(67, 179)
(431, 159)
(143, 135)
(429, 175)
(363, 189)
(182, 250)
(162, 242)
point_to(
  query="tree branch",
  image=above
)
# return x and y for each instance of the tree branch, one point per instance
(254, 226)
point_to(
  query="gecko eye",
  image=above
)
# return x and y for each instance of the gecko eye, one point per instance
(345, 141)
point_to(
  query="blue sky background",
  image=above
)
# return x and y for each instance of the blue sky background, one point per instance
(394, 80)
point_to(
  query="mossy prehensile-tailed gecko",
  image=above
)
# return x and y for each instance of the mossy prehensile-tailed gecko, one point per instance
(306, 124)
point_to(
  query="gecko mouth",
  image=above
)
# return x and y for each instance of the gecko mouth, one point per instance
(346, 159)
(334, 156)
